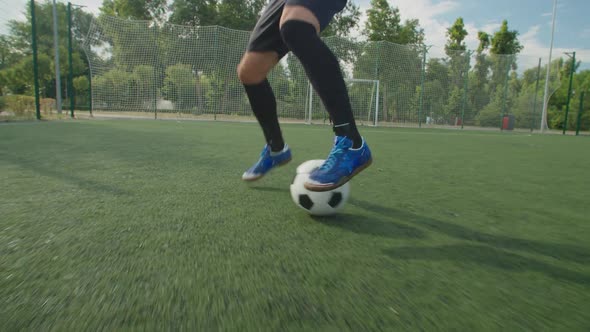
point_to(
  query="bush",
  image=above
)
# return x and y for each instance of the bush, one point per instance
(19, 104)
(2, 104)
(48, 105)
(490, 116)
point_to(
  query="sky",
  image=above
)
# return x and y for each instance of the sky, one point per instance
(531, 18)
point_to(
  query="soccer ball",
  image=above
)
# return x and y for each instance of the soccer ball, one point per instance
(317, 203)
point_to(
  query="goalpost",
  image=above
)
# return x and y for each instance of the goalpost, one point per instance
(364, 99)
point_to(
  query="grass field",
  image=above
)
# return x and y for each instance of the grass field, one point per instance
(145, 225)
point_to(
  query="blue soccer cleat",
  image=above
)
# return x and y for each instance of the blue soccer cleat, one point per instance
(342, 164)
(268, 160)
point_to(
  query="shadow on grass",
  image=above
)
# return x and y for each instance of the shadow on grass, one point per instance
(492, 250)
(359, 224)
(371, 226)
(559, 251)
(85, 184)
(485, 255)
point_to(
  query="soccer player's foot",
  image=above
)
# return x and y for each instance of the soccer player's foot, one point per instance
(268, 160)
(342, 164)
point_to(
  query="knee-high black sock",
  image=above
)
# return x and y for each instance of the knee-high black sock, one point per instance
(264, 106)
(323, 70)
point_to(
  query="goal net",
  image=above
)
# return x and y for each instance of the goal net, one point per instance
(364, 100)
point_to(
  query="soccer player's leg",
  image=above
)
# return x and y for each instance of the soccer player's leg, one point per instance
(252, 72)
(264, 51)
(301, 22)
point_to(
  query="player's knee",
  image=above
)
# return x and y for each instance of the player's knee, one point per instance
(249, 75)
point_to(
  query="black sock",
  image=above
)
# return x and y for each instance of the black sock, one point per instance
(264, 106)
(323, 70)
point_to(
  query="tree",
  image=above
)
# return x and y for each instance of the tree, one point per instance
(18, 42)
(456, 64)
(452, 108)
(2, 84)
(455, 49)
(479, 77)
(144, 78)
(81, 86)
(131, 42)
(400, 78)
(7, 59)
(194, 12)
(180, 86)
(527, 113)
(384, 24)
(239, 14)
(582, 83)
(19, 77)
(456, 37)
(411, 33)
(233, 14)
(8, 56)
(490, 115)
(558, 102)
(504, 48)
(344, 21)
(435, 90)
(134, 9)
(505, 41)
(484, 41)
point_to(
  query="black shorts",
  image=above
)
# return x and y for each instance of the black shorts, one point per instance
(267, 36)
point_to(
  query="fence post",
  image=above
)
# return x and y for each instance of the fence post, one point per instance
(465, 87)
(35, 62)
(155, 84)
(377, 106)
(569, 92)
(56, 63)
(377, 63)
(70, 69)
(505, 93)
(216, 66)
(579, 122)
(310, 94)
(425, 50)
(90, 91)
(536, 95)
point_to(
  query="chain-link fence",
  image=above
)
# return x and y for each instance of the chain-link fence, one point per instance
(170, 70)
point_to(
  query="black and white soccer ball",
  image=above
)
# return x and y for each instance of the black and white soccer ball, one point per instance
(317, 203)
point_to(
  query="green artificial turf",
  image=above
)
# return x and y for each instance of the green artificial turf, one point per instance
(146, 225)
